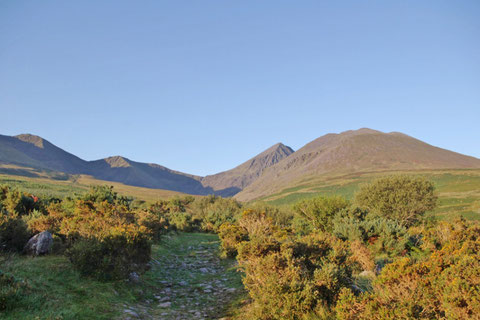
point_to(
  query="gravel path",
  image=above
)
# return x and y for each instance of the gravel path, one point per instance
(191, 282)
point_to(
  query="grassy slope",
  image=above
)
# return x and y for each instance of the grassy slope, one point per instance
(59, 292)
(68, 185)
(458, 190)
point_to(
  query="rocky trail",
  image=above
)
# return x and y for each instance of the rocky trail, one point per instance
(187, 280)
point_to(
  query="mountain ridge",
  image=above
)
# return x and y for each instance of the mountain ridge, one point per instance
(355, 150)
(244, 174)
(269, 171)
(33, 151)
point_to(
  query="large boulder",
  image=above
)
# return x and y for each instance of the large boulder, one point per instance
(39, 244)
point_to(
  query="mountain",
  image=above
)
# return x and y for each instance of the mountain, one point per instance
(32, 151)
(147, 175)
(363, 150)
(277, 168)
(230, 182)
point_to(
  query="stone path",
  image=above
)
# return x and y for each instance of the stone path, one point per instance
(191, 282)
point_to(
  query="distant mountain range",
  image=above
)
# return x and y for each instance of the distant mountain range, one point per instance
(276, 168)
(31, 151)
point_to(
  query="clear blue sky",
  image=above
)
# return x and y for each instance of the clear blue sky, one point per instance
(201, 86)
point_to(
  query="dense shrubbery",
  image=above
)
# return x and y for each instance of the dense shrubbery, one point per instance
(377, 258)
(320, 211)
(444, 284)
(14, 233)
(401, 198)
(104, 234)
(214, 211)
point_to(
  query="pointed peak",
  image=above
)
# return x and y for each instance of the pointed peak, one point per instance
(280, 147)
(117, 162)
(30, 138)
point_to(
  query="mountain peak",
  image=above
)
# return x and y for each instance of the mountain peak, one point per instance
(362, 150)
(360, 132)
(234, 180)
(276, 148)
(30, 138)
(117, 162)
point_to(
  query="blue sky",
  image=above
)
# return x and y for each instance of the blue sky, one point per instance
(201, 86)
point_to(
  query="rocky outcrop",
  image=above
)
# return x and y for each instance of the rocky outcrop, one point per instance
(39, 244)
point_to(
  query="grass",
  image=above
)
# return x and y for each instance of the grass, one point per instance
(47, 186)
(57, 291)
(458, 191)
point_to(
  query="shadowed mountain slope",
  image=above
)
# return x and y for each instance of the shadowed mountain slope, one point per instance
(230, 182)
(32, 151)
(147, 175)
(361, 150)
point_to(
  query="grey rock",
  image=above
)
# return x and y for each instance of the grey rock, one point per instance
(165, 305)
(131, 312)
(39, 244)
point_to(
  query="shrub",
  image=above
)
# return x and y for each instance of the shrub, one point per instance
(13, 233)
(399, 197)
(230, 236)
(293, 279)
(444, 285)
(17, 202)
(385, 238)
(113, 257)
(155, 224)
(320, 211)
(281, 216)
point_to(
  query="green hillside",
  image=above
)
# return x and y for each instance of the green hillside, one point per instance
(47, 185)
(458, 190)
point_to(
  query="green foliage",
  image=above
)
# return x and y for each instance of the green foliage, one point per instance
(443, 285)
(281, 216)
(231, 235)
(14, 201)
(385, 238)
(292, 279)
(106, 194)
(320, 211)
(399, 197)
(113, 257)
(13, 233)
(156, 225)
(214, 211)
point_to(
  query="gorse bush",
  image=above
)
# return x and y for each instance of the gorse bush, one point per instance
(113, 257)
(385, 238)
(105, 239)
(14, 233)
(320, 211)
(371, 259)
(443, 285)
(214, 211)
(288, 278)
(401, 198)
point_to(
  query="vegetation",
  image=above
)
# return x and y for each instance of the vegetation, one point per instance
(401, 198)
(375, 256)
(458, 191)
